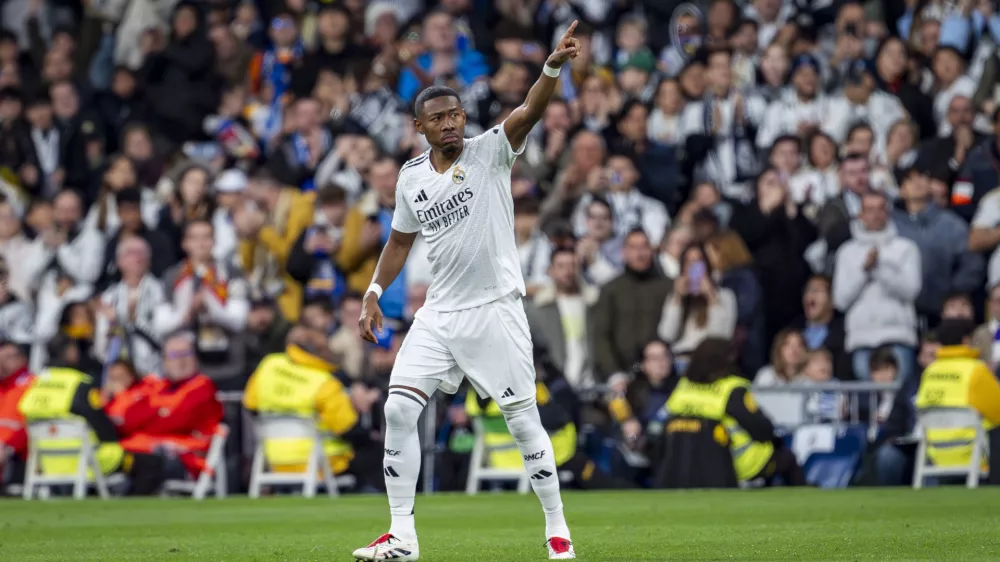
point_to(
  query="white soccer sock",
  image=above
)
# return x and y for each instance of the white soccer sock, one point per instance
(401, 461)
(525, 426)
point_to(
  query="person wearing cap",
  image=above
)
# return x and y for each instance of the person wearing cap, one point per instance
(860, 101)
(633, 78)
(948, 265)
(228, 188)
(801, 108)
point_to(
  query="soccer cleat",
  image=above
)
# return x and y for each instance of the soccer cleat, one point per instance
(388, 547)
(560, 549)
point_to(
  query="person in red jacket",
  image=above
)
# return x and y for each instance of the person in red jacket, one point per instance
(127, 398)
(14, 381)
(186, 411)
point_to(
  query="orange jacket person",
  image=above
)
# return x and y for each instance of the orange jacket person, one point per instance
(127, 398)
(14, 381)
(187, 411)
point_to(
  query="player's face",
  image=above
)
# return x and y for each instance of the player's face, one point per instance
(442, 122)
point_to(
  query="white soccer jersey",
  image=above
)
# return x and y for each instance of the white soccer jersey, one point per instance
(466, 215)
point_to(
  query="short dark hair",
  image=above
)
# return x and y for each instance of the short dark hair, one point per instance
(331, 194)
(196, 221)
(954, 331)
(527, 206)
(559, 250)
(882, 358)
(716, 51)
(432, 93)
(713, 359)
(319, 301)
(855, 156)
(859, 126)
(600, 200)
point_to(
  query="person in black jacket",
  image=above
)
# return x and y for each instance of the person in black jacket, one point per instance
(892, 77)
(777, 234)
(162, 250)
(180, 79)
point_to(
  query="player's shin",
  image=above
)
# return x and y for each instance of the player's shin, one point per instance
(401, 462)
(525, 427)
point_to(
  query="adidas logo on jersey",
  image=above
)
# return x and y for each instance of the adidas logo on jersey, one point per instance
(507, 393)
(421, 197)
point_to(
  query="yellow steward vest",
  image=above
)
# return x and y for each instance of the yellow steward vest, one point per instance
(708, 402)
(505, 453)
(287, 388)
(50, 397)
(945, 384)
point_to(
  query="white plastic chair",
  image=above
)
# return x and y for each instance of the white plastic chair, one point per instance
(933, 419)
(71, 429)
(479, 471)
(292, 427)
(214, 472)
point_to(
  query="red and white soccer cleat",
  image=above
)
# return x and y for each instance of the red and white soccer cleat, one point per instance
(560, 549)
(388, 547)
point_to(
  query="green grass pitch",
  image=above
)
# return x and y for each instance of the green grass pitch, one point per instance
(948, 524)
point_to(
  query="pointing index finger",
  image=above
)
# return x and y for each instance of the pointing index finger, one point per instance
(569, 31)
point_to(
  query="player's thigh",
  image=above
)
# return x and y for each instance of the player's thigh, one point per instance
(424, 362)
(498, 360)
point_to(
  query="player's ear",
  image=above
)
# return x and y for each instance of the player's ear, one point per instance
(418, 126)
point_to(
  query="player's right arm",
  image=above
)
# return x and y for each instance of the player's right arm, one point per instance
(405, 227)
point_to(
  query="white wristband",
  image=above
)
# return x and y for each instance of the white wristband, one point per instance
(549, 71)
(374, 288)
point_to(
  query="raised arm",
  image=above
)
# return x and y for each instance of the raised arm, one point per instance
(523, 118)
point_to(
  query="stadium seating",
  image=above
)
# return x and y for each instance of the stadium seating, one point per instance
(945, 419)
(213, 476)
(291, 427)
(67, 438)
(479, 471)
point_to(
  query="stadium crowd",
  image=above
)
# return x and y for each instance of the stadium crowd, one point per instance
(189, 188)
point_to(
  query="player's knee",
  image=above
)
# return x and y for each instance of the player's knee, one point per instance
(522, 419)
(401, 412)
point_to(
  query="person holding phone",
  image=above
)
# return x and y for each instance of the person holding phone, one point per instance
(698, 308)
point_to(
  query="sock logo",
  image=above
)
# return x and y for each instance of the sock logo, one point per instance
(541, 475)
(507, 393)
(535, 456)
(390, 472)
(391, 453)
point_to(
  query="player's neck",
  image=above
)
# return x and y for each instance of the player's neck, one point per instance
(442, 159)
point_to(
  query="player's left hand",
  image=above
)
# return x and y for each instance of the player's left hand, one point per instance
(568, 48)
(371, 318)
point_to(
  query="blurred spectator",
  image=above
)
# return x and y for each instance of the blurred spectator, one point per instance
(876, 283)
(823, 406)
(15, 378)
(188, 200)
(533, 245)
(788, 358)
(366, 230)
(976, 178)
(630, 209)
(599, 249)
(822, 326)
(266, 330)
(720, 132)
(16, 314)
(957, 306)
(209, 298)
(178, 76)
(346, 342)
(586, 157)
(834, 218)
(801, 109)
(126, 396)
(125, 328)
(268, 226)
(187, 410)
(228, 187)
(730, 258)
(948, 67)
(628, 309)
(892, 74)
(297, 158)
(443, 61)
(698, 307)
(950, 151)
(311, 261)
(884, 370)
(777, 233)
(129, 215)
(664, 125)
(648, 391)
(942, 237)
(860, 100)
(560, 317)
(671, 249)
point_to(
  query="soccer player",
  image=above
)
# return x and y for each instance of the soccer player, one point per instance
(472, 325)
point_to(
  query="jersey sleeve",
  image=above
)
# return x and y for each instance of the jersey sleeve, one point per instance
(503, 154)
(403, 219)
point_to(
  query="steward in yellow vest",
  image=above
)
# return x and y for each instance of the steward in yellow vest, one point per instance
(63, 393)
(556, 420)
(715, 436)
(300, 382)
(957, 378)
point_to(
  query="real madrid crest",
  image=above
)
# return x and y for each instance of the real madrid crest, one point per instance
(458, 176)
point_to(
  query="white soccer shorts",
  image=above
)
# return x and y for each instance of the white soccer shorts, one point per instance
(489, 344)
